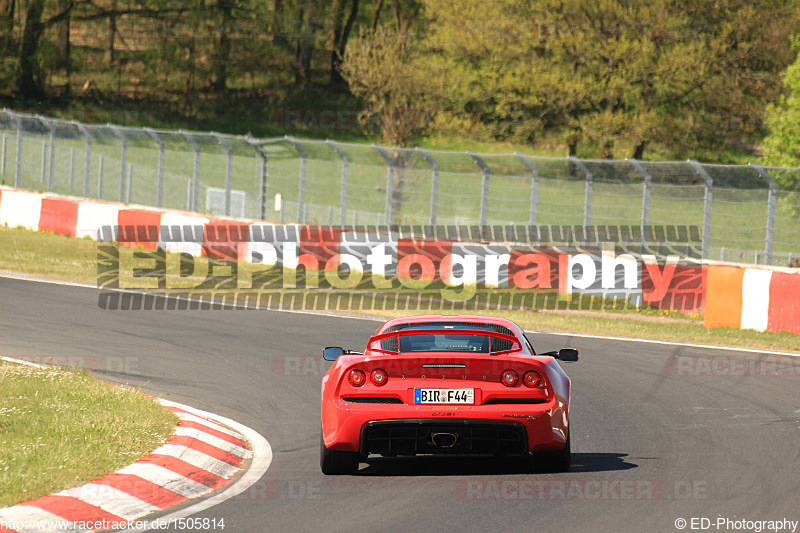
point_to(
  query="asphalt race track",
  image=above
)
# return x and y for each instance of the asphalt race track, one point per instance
(659, 432)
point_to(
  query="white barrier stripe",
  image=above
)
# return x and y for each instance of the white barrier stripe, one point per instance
(212, 440)
(111, 500)
(19, 208)
(198, 460)
(755, 299)
(37, 520)
(179, 221)
(167, 478)
(92, 216)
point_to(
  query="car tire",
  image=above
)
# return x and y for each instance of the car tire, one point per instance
(335, 462)
(555, 461)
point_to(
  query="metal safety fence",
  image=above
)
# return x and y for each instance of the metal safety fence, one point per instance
(742, 213)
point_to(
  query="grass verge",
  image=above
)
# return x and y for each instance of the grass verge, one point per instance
(64, 258)
(61, 428)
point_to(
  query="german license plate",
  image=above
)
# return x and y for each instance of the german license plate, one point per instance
(465, 396)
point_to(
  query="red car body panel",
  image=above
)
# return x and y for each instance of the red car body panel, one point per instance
(544, 415)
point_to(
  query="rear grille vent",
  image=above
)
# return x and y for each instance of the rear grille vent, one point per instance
(412, 437)
(514, 401)
(364, 399)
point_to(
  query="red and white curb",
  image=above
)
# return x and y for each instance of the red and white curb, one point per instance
(203, 455)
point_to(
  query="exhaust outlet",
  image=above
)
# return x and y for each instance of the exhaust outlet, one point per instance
(444, 440)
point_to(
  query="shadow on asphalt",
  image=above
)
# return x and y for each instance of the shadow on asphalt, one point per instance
(476, 466)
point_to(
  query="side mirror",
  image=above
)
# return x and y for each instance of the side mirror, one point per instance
(332, 353)
(568, 355)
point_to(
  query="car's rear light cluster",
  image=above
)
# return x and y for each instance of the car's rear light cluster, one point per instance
(531, 379)
(356, 378)
(509, 378)
(379, 377)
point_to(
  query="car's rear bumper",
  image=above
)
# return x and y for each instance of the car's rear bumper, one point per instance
(407, 430)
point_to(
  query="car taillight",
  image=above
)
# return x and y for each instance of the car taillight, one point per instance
(356, 378)
(379, 377)
(532, 379)
(509, 378)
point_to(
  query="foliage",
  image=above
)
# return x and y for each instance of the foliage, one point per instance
(607, 74)
(782, 144)
(595, 78)
(387, 71)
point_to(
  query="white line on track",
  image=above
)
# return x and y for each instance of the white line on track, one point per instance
(180, 299)
(373, 319)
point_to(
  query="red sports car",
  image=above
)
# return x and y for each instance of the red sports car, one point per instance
(437, 384)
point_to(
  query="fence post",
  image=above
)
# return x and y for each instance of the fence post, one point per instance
(18, 162)
(301, 188)
(88, 158)
(160, 187)
(389, 181)
(434, 183)
(771, 200)
(123, 163)
(52, 157)
(195, 172)
(707, 200)
(264, 169)
(130, 182)
(5, 149)
(587, 196)
(71, 167)
(228, 171)
(534, 187)
(646, 186)
(100, 178)
(484, 188)
(345, 177)
(43, 162)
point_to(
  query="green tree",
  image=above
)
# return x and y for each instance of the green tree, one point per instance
(388, 70)
(782, 144)
(607, 75)
(394, 78)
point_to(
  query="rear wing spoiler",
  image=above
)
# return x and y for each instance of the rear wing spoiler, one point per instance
(374, 344)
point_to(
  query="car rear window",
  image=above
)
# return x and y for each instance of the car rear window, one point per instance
(445, 342)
